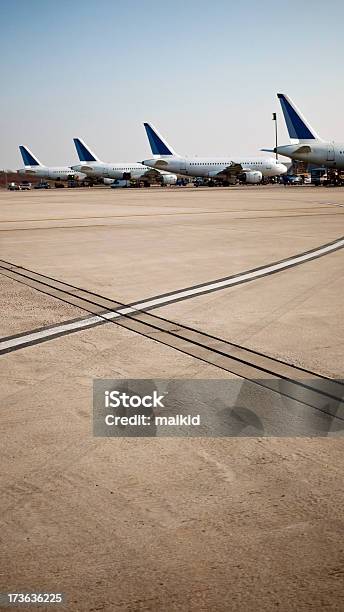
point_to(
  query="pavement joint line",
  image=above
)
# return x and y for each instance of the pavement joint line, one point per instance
(176, 212)
(34, 337)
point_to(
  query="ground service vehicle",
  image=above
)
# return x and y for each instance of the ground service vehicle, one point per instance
(13, 187)
(25, 186)
(42, 185)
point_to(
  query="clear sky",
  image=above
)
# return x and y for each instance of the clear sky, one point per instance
(205, 73)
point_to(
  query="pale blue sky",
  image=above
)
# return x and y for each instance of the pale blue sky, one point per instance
(205, 73)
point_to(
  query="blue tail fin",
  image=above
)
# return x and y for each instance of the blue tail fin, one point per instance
(298, 127)
(84, 153)
(158, 145)
(28, 158)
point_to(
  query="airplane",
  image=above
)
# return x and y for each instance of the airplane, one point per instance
(306, 145)
(33, 166)
(95, 168)
(227, 170)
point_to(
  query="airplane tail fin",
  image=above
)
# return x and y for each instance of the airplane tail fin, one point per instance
(158, 145)
(84, 152)
(28, 158)
(297, 125)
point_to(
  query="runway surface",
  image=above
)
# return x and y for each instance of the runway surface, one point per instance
(170, 523)
(304, 386)
(25, 276)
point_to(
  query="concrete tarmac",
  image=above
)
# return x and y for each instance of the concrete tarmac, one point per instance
(168, 524)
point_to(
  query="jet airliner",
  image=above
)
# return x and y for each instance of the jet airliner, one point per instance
(227, 170)
(306, 145)
(33, 166)
(94, 167)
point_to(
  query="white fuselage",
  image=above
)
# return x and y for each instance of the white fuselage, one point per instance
(62, 173)
(212, 167)
(123, 170)
(329, 154)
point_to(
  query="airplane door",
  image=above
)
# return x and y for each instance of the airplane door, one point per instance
(330, 153)
(183, 169)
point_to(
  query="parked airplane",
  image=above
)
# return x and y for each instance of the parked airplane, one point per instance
(93, 167)
(57, 173)
(306, 144)
(225, 169)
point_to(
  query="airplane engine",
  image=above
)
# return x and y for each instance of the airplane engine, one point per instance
(108, 181)
(168, 179)
(252, 177)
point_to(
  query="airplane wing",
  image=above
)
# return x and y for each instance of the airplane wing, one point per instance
(153, 173)
(84, 168)
(303, 149)
(231, 172)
